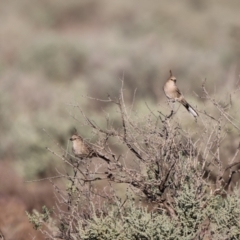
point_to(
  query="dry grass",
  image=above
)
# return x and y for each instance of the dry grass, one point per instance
(17, 197)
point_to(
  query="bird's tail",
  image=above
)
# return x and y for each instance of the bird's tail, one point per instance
(189, 108)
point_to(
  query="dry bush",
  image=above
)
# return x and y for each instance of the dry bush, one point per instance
(163, 167)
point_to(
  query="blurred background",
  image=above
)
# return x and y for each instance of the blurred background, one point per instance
(54, 52)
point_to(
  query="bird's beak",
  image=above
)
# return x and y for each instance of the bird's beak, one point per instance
(70, 139)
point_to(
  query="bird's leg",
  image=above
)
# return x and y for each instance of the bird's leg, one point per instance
(171, 103)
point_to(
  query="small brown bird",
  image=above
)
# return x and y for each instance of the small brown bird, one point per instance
(82, 149)
(173, 93)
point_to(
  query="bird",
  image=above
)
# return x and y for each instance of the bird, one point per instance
(82, 150)
(174, 94)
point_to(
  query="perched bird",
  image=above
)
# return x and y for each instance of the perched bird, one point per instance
(173, 93)
(82, 149)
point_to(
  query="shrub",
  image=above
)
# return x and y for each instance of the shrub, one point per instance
(166, 172)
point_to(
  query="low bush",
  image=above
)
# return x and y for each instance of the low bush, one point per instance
(174, 183)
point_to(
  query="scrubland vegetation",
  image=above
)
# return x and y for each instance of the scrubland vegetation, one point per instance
(175, 183)
(169, 178)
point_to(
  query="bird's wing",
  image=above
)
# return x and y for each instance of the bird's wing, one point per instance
(91, 151)
(179, 94)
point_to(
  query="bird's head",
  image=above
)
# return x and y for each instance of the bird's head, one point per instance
(172, 78)
(75, 137)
